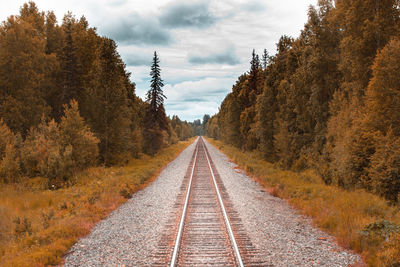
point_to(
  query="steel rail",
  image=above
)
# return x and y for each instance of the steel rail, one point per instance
(228, 225)
(182, 222)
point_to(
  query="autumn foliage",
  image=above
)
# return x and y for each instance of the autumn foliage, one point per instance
(67, 101)
(327, 100)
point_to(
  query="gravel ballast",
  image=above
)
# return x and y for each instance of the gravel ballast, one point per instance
(282, 236)
(130, 235)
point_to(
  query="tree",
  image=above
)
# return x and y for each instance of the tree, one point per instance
(75, 133)
(385, 167)
(24, 68)
(69, 66)
(9, 160)
(155, 122)
(383, 92)
(265, 59)
(366, 26)
(155, 96)
(59, 150)
(109, 106)
(253, 89)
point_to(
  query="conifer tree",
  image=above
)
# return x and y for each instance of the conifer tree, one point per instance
(155, 96)
(155, 121)
(253, 74)
(69, 65)
(110, 114)
(265, 59)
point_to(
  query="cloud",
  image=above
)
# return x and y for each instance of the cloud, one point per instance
(225, 57)
(134, 29)
(137, 60)
(187, 14)
(254, 6)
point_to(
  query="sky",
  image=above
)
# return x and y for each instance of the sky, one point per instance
(203, 45)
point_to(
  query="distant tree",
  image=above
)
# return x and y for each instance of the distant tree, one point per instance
(265, 59)
(253, 73)
(206, 118)
(212, 129)
(155, 122)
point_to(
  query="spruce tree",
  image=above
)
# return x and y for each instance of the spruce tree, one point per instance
(155, 121)
(265, 59)
(155, 96)
(254, 66)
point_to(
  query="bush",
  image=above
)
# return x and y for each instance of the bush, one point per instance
(75, 133)
(9, 160)
(385, 168)
(43, 155)
(58, 151)
(6, 137)
(10, 165)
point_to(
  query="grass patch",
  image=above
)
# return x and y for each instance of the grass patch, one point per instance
(38, 226)
(360, 221)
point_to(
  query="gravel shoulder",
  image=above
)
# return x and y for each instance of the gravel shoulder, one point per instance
(130, 234)
(282, 235)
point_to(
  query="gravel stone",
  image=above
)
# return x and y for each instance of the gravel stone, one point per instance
(130, 234)
(281, 234)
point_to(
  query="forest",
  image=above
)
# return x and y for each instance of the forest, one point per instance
(67, 101)
(328, 100)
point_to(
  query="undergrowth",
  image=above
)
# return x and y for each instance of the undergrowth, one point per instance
(359, 220)
(38, 226)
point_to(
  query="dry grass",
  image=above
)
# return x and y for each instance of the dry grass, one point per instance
(38, 226)
(344, 214)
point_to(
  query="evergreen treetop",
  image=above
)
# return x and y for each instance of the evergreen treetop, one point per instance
(155, 96)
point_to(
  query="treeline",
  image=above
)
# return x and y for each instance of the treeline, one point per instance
(199, 127)
(67, 101)
(327, 100)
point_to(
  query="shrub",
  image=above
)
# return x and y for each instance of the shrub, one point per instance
(58, 151)
(75, 133)
(6, 137)
(10, 165)
(9, 160)
(385, 167)
(43, 155)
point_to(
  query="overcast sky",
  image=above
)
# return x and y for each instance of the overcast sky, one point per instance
(203, 45)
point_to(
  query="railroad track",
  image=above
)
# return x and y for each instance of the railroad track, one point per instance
(205, 229)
